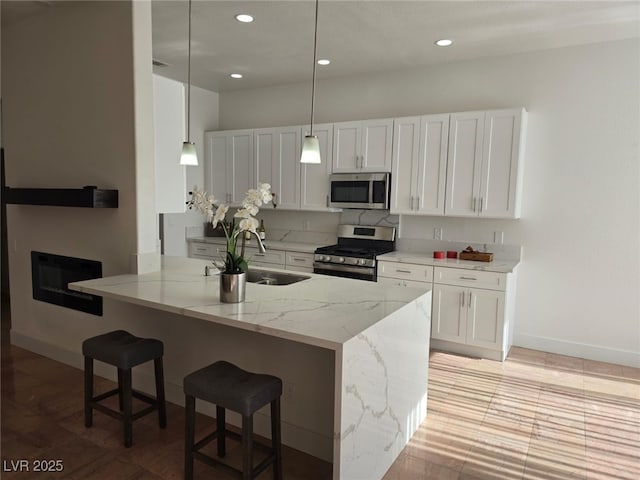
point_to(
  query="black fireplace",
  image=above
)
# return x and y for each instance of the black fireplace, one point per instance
(51, 274)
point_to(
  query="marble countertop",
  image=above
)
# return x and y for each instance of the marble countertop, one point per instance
(497, 265)
(323, 311)
(269, 244)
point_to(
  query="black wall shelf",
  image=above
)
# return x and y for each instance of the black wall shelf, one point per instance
(88, 197)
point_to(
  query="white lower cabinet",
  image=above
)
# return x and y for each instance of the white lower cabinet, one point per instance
(289, 260)
(471, 310)
(468, 315)
(299, 262)
(467, 319)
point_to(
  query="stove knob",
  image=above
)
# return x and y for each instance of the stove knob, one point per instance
(341, 260)
(361, 261)
(326, 258)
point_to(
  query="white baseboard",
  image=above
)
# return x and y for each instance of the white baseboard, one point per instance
(292, 435)
(576, 349)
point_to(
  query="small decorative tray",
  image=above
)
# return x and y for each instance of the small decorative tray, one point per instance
(471, 254)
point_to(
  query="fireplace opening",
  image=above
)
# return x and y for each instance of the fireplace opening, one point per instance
(51, 275)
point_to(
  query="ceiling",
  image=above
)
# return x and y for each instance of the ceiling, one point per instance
(360, 36)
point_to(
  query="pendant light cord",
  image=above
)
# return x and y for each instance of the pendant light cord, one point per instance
(313, 83)
(189, 80)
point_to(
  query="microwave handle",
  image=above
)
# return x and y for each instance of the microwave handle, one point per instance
(371, 192)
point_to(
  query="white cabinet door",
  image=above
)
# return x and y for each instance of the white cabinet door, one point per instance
(449, 313)
(169, 133)
(314, 179)
(277, 159)
(432, 164)
(485, 318)
(420, 163)
(464, 163)
(406, 150)
(377, 139)
(484, 170)
(362, 146)
(347, 141)
(501, 164)
(229, 170)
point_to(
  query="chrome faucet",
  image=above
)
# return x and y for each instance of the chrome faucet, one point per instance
(247, 234)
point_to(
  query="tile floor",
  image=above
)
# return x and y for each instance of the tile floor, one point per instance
(535, 416)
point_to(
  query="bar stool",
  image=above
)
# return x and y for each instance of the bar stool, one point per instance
(124, 351)
(229, 387)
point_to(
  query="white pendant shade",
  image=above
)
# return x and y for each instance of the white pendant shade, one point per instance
(189, 155)
(310, 150)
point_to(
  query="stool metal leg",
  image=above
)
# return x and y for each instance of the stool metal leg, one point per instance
(221, 429)
(276, 439)
(189, 435)
(247, 447)
(162, 405)
(127, 407)
(88, 391)
(120, 403)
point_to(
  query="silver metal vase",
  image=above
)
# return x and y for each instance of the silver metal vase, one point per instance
(232, 287)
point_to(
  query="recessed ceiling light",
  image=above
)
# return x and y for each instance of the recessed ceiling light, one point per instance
(445, 42)
(236, 75)
(324, 61)
(244, 18)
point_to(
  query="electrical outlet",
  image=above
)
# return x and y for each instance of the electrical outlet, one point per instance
(437, 233)
(498, 237)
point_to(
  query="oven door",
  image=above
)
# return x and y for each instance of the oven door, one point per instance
(359, 273)
(359, 190)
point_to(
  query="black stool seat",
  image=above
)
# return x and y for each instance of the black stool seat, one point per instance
(230, 387)
(121, 349)
(124, 351)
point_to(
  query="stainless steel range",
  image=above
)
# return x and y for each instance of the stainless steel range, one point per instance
(354, 256)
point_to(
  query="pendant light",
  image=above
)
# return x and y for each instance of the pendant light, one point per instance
(311, 146)
(189, 155)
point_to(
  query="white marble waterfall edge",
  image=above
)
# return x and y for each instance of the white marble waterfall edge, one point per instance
(384, 391)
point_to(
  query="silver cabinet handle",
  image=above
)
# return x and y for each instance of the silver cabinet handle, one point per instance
(462, 296)
(481, 198)
(298, 259)
(418, 202)
(469, 298)
(411, 204)
(403, 271)
(468, 278)
(228, 198)
(473, 204)
(327, 200)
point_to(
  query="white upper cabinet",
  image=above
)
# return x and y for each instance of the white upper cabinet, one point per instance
(419, 165)
(169, 133)
(277, 162)
(503, 151)
(362, 146)
(229, 167)
(464, 163)
(314, 178)
(484, 169)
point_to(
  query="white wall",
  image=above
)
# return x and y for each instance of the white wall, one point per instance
(579, 280)
(204, 117)
(77, 111)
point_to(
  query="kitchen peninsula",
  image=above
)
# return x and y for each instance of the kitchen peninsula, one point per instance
(353, 355)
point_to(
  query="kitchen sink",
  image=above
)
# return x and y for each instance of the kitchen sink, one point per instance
(270, 277)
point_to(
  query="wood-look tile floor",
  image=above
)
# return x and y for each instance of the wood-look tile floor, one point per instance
(535, 416)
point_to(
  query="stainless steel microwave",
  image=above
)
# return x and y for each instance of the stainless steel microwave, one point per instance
(359, 190)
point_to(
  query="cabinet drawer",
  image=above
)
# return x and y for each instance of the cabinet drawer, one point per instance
(295, 259)
(405, 271)
(470, 278)
(273, 257)
(203, 250)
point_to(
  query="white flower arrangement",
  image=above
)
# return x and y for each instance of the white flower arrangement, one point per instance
(216, 213)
